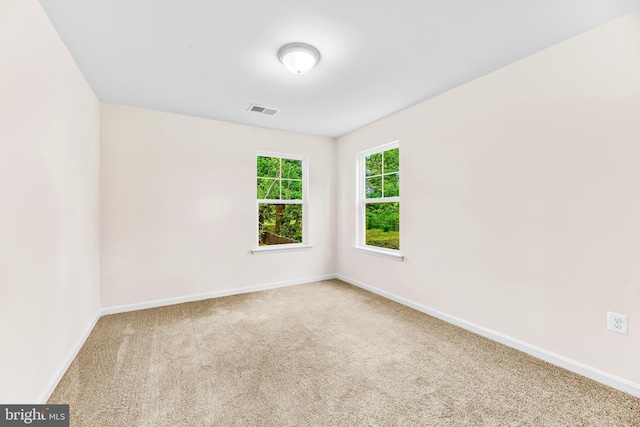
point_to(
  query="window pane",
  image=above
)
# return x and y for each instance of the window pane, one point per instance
(291, 190)
(268, 188)
(292, 169)
(279, 224)
(268, 167)
(392, 160)
(391, 185)
(373, 187)
(383, 225)
(373, 164)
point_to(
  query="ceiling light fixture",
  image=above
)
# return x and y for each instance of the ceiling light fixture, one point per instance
(298, 57)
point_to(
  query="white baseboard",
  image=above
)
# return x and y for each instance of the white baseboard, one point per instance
(555, 359)
(53, 383)
(208, 295)
(558, 360)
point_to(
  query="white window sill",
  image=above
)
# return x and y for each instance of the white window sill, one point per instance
(384, 253)
(280, 248)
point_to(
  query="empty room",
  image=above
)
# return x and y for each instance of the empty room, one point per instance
(287, 213)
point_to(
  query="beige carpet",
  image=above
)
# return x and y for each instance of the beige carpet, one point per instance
(320, 354)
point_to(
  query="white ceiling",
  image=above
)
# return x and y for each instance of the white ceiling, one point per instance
(213, 58)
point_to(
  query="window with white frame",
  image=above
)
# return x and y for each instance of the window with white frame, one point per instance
(281, 199)
(379, 198)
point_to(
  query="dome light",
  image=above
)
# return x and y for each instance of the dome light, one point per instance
(298, 57)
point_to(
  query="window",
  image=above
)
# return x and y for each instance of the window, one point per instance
(281, 201)
(379, 200)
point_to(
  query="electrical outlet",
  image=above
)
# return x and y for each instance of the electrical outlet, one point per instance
(328, 254)
(617, 323)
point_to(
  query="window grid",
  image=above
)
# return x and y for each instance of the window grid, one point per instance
(385, 193)
(381, 175)
(282, 175)
(280, 179)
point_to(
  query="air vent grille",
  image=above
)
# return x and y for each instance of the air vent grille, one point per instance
(260, 109)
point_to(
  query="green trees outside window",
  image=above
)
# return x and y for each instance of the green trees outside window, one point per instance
(381, 203)
(382, 174)
(280, 200)
(383, 225)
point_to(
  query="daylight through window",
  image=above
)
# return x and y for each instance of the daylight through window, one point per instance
(379, 216)
(281, 199)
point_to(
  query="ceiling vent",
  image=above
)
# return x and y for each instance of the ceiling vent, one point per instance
(260, 109)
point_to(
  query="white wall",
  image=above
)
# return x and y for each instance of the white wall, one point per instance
(178, 213)
(520, 206)
(49, 219)
(519, 213)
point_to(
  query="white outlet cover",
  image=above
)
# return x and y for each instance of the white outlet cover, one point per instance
(617, 323)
